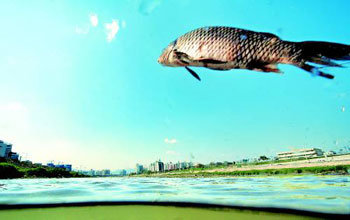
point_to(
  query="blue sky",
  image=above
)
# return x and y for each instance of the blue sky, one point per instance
(80, 83)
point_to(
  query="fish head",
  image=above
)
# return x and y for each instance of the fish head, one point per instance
(169, 57)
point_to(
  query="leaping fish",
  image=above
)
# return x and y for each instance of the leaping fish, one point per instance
(225, 48)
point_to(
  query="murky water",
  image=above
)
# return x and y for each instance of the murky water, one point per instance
(314, 193)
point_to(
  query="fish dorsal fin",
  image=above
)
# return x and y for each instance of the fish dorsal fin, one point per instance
(193, 73)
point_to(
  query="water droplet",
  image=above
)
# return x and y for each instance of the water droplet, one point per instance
(280, 31)
(243, 37)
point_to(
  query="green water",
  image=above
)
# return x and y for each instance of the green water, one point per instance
(139, 212)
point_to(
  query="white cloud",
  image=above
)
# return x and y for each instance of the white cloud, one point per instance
(171, 152)
(85, 29)
(94, 20)
(112, 29)
(170, 141)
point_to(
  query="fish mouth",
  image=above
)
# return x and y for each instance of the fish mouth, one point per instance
(161, 60)
(166, 57)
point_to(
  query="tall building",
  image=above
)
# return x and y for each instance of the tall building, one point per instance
(139, 168)
(106, 172)
(300, 153)
(157, 166)
(13, 156)
(91, 172)
(169, 166)
(152, 167)
(123, 173)
(160, 166)
(5, 149)
(68, 167)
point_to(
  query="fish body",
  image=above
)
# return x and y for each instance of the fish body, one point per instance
(225, 48)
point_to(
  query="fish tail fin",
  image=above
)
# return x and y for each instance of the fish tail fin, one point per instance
(322, 53)
(315, 71)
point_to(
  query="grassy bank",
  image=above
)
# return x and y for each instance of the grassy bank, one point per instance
(10, 170)
(339, 169)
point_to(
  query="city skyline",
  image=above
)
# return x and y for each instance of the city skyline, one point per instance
(85, 87)
(172, 164)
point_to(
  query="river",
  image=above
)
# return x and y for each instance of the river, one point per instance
(329, 194)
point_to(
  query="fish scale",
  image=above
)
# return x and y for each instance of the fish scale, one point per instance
(224, 48)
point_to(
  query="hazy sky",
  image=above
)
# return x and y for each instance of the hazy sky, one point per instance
(80, 83)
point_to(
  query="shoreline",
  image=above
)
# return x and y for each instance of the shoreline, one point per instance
(304, 167)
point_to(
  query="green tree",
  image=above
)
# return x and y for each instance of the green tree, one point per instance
(8, 171)
(263, 157)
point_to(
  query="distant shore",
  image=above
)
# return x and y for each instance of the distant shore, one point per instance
(321, 170)
(16, 169)
(331, 165)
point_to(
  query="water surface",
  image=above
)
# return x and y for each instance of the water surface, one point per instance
(329, 194)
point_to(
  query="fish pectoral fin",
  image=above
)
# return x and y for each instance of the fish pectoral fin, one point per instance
(271, 68)
(183, 57)
(217, 68)
(263, 67)
(314, 71)
(193, 73)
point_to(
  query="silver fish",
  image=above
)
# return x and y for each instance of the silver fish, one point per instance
(225, 48)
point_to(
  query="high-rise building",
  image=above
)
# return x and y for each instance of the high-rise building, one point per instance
(106, 172)
(157, 166)
(5, 149)
(68, 167)
(160, 166)
(13, 156)
(98, 173)
(123, 173)
(91, 172)
(139, 168)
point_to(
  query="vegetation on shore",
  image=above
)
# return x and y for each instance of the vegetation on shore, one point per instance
(16, 169)
(339, 169)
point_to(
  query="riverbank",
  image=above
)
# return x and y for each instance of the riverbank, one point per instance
(322, 170)
(11, 170)
(332, 165)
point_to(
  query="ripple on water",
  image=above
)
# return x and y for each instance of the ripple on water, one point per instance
(315, 193)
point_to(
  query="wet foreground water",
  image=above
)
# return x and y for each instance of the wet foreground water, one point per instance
(329, 194)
